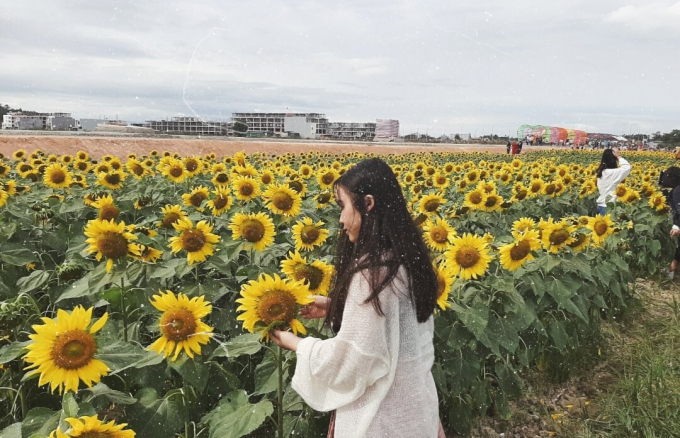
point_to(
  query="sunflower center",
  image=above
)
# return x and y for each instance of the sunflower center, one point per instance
(521, 194)
(295, 185)
(520, 250)
(476, 198)
(580, 238)
(439, 234)
(328, 178)
(169, 219)
(246, 189)
(490, 201)
(113, 179)
(311, 274)
(57, 176)
(309, 234)
(197, 198)
(600, 228)
(95, 434)
(220, 202)
(441, 180)
(620, 191)
(467, 256)
(441, 285)
(25, 168)
(550, 189)
(175, 171)
(276, 305)
(193, 240)
(108, 212)
(112, 245)
(222, 178)
(191, 164)
(81, 165)
(535, 187)
(252, 230)
(137, 169)
(73, 349)
(324, 198)
(178, 324)
(657, 201)
(282, 201)
(431, 205)
(558, 237)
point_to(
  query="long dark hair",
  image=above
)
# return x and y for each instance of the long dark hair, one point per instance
(609, 161)
(388, 238)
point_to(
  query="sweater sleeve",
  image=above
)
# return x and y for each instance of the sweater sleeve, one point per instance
(675, 206)
(622, 171)
(335, 372)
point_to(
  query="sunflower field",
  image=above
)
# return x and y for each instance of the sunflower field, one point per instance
(136, 293)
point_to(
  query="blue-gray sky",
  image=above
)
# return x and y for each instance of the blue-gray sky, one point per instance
(488, 66)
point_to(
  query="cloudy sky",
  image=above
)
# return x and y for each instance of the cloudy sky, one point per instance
(438, 67)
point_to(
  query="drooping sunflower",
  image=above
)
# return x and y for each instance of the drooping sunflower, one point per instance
(196, 197)
(171, 214)
(515, 254)
(522, 225)
(327, 177)
(197, 242)
(270, 301)
(556, 235)
(110, 240)
(468, 256)
(308, 234)
(438, 234)
(281, 199)
(148, 254)
(86, 427)
(222, 201)
(430, 204)
(19, 154)
(475, 199)
(256, 228)
(63, 350)
(323, 199)
(57, 176)
(181, 325)
(3, 197)
(107, 209)
(136, 168)
(113, 180)
(445, 279)
(317, 275)
(175, 171)
(581, 242)
(601, 227)
(245, 188)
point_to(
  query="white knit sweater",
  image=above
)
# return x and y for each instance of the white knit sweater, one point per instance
(376, 373)
(609, 180)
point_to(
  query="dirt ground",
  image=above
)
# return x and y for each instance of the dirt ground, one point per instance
(121, 146)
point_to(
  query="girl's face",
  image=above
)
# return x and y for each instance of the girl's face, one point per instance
(350, 218)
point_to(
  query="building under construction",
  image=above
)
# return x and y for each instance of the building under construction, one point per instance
(190, 125)
(276, 123)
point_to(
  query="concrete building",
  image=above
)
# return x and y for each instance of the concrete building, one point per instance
(351, 131)
(40, 121)
(89, 125)
(386, 129)
(276, 123)
(61, 122)
(190, 125)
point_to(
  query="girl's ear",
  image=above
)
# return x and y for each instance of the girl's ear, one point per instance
(370, 202)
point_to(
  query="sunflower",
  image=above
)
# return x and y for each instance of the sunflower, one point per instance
(475, 199)
(468, 256)
(281, 199)
(327, 177)
(657, 201)
(438, 233)
(175, 171)
(266, 177)
(555, 235)
(102, 168)
(536, 187)
(472, 176)
(193, 165)
(181, 325)
(19, 154)
(221, 179)
(270, 301)
(171, 214)
(82, 166)
(513, 255)
(256, 228)
(110, 240)
(305, 171)
(196, 197)
(57, 176)
(107, 210)
(430, 204)
(298, 186)
(308, 234)
(445, 279)
(113, 180)
(493, 202)
(85, 427)
(142, 202)
(245, 188)
(522, 225)
(3, 197)
(63, 350)
(82, 156)
(316, 275)
(148, 232)
(601, 227)
(136, 168)
(197, 242)
(581, 242)
(222, 201)
(9, 186)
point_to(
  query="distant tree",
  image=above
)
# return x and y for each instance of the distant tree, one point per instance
(240, 128)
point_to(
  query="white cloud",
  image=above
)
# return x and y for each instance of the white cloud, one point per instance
(648, 17)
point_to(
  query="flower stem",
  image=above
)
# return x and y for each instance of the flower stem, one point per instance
(280, 393)
(122, 305)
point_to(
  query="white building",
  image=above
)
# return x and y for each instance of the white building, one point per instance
(307, 127)
(386, 129)
(51, 121)
(88, 125)
(275, 123)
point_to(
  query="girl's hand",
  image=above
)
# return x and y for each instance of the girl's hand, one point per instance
(284, 339)
(317, 309)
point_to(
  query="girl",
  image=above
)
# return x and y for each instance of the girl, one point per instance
(376, 372)
(610, 175)
(670, 180)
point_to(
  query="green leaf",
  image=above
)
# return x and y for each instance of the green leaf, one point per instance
(69, 406)
(157, 418)
(10, 352)
(78, 289)
(17, 257)
(563, 294)
(13, 431)
(503, 334)
(266, 375)
(193, 371)
(39, 422)
(474, 318)
(248, 343)
(234, 419)
(654, 247)
(167, 270)
(120, 356)
(111, 395)
(558, 335)
(34, 281)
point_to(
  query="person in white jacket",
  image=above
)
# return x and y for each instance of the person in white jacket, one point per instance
(376, 372)
(613, 169)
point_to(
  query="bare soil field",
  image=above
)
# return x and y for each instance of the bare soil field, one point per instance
(97, 146)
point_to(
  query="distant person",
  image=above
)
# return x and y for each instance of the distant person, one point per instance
(519, 148)
(508, 146)
(613, 169)
(513, 149)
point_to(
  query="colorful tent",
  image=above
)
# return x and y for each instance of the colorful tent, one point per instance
(552, 134)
